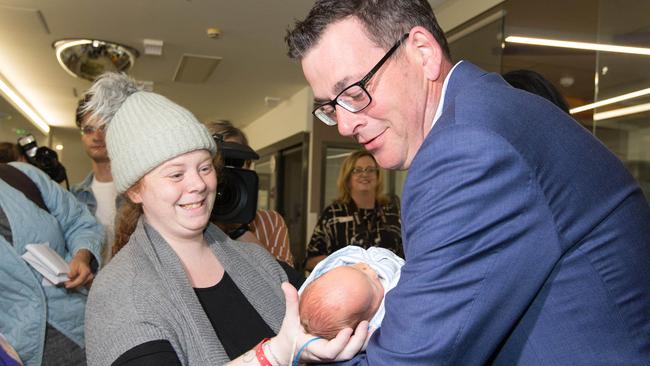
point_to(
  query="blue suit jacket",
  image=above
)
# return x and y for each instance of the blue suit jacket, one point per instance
(526, 241)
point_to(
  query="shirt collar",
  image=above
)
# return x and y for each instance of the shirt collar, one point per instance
(441, 102)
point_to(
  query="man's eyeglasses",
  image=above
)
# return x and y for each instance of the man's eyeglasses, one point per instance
(87, 130)
(355, 97)
(368, 169)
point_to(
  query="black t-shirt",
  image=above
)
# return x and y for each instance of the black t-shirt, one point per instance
(238, 326)
(236, 323)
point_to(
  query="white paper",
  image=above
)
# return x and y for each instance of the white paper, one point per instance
(47, 262)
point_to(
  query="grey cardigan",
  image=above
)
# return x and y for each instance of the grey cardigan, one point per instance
(144, 295)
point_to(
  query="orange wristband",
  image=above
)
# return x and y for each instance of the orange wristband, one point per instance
(259, 353)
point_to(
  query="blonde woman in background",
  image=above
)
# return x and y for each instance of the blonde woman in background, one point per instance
(361, 215)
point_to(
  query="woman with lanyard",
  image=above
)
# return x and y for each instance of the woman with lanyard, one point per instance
(362, 215)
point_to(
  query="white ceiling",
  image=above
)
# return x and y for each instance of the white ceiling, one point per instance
(254, 63)
(252, 46)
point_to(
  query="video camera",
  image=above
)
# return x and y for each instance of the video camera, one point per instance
(236, 199)
(43, 158)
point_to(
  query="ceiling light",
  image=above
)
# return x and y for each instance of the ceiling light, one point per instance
(578, 45)
(153, 47)
(89, 58)
(213, 32)
(58, 147)
(620, 98)
(567, 81)
(622, 112)
(18, 102)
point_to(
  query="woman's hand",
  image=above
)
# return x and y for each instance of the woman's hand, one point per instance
(292, 337)
(343, 347)
(80, 273)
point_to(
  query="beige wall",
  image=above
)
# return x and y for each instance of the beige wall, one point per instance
(291, 116)
(73, 156)
(453, 13)
(288, 118)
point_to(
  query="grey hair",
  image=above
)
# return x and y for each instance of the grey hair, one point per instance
(107, 94)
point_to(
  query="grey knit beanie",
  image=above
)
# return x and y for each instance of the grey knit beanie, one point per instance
(144, 129)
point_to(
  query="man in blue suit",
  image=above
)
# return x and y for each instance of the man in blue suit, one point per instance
(526, 240)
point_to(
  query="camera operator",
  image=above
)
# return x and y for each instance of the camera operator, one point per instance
(268, 227)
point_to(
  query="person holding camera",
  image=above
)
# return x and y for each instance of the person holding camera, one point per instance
(268, 227)
(43, 158)
(178, 290)
(42, 321)
(97, 190)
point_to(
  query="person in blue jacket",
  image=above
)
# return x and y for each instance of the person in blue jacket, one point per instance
(526, 241)
(44, 322)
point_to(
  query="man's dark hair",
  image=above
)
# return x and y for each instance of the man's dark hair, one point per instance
(385, 22)
(535, 83)
(9, 152)
(81, 109)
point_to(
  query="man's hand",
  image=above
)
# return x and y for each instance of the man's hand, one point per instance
(80, 273)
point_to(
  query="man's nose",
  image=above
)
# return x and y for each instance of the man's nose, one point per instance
(347, 122)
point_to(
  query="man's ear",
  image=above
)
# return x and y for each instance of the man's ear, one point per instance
(134, 195)
(428, 52)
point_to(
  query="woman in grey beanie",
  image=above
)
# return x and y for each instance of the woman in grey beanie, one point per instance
(178, 291)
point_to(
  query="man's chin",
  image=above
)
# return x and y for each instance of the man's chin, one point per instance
(388, 160)
(100, 158)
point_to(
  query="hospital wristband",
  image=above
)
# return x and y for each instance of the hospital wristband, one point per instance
(261, 356)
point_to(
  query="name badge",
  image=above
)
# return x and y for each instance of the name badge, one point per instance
(343, 219)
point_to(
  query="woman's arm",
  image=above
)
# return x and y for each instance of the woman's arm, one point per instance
(280, 348)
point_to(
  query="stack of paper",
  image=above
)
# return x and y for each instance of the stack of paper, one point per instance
(47, 262)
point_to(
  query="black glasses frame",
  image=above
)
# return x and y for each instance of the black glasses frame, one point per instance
(361, 83)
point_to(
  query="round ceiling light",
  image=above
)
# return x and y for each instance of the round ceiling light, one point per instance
(89, 58)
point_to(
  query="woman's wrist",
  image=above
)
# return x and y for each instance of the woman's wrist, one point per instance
(278, 354)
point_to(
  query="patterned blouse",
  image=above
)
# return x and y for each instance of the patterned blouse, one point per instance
(343, 224)
(271, 230)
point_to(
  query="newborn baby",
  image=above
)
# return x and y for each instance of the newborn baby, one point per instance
(346, 288)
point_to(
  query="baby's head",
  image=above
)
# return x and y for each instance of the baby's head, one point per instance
(340, 298)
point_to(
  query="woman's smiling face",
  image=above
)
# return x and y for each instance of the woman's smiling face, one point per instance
(178, 195)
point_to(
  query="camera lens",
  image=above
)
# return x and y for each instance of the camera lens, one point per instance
(231, 196)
